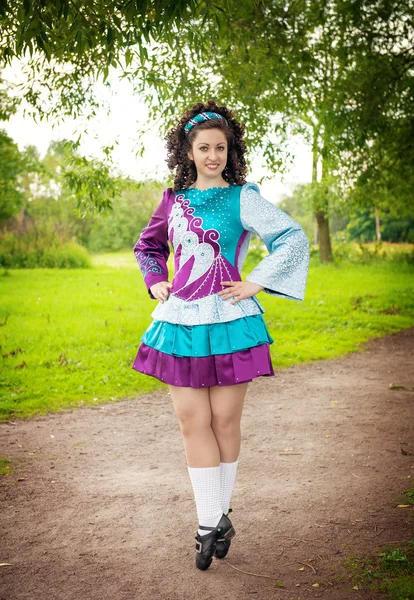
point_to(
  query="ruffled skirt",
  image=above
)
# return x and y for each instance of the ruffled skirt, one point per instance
(205, 355)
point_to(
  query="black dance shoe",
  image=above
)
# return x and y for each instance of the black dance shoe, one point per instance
(223, 545)
(206, 544)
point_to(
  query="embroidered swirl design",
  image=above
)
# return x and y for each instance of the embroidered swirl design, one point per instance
(147, 263)
(210, 236)
(178, 227)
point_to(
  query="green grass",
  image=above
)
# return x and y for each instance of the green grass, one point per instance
(407, 497)
(389, 570)
(345, 306)
(70, 336)
(5, 466)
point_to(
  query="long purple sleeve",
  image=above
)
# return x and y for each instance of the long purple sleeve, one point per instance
(152, 249)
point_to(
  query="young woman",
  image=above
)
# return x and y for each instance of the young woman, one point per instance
(208, 338)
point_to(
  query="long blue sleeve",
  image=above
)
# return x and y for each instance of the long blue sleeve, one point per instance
(284, 271)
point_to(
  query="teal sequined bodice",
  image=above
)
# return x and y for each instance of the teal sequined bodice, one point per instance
(219, 207)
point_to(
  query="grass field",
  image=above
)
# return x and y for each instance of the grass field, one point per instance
(70, 336)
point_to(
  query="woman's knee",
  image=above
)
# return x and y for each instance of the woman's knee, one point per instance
(226, 409)
(192, 422)
(192, 409)
(225, 425)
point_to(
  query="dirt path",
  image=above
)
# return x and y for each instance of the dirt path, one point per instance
(104, 509)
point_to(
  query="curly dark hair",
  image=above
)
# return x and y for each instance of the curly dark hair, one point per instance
(179, 143)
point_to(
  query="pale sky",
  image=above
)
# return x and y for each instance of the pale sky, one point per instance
(126, 111)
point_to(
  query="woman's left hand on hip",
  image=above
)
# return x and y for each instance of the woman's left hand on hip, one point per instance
(239, 290)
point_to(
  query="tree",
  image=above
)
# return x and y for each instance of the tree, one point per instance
(11, 167)
(311, 68)
(88, 34)
(375, 124)
(337, 72)
(8, 104)
(71, 44)
(52, 200)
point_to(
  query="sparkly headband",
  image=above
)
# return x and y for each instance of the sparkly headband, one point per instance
(200, 118)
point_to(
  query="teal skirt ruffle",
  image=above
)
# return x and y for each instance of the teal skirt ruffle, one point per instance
(205, 340)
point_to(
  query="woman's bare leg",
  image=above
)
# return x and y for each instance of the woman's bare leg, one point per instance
(226, 407)
(192, 407)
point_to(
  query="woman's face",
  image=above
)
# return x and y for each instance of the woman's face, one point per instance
(209, 153)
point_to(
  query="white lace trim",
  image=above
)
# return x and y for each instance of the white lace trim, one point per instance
(210, 309)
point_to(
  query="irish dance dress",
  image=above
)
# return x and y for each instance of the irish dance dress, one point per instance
(196, 338)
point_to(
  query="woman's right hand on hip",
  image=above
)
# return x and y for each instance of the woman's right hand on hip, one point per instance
(161, 290)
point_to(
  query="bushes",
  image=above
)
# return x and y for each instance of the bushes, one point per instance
(358, 253)
(41, 248)
(344, 252)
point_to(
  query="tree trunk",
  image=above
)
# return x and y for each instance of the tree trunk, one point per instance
(377, 225)
(21, 217)
(20, 221)
(315, 230)
(321, 234)
(325, 248)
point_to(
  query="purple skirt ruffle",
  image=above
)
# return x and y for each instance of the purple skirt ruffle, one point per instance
(205, 371)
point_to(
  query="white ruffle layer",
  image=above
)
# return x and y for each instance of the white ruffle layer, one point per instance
(210, 309)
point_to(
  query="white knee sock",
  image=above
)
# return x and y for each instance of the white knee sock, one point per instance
(206, 486)
(227, 478)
